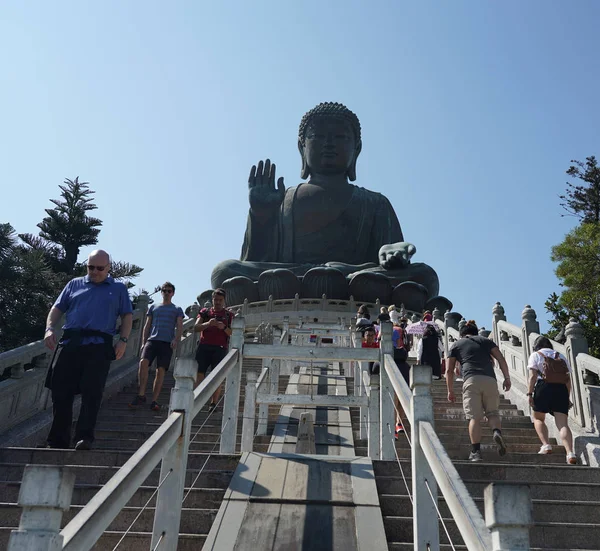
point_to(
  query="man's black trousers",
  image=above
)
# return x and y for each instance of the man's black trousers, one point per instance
(77, 370)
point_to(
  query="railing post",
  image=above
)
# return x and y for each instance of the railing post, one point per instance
(232, 390)
(498, 313)
(508, 515)
(44, 495)
(425, 525)
(249, 411)
(364, 410)
(386, 412)
(529, 325)
(373, 420)
(577, 344)
(263, 409)
(167, 516)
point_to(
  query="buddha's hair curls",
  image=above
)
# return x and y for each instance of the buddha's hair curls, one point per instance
(329, 109)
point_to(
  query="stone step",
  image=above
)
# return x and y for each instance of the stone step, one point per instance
(140, 436)
(133, 541)
(545, 535)
(43, 456)
(198, 445)
(91, 474)
(198, 498)
(553, 491)
(496, 471)
(543, 510)
(489, 455)
(193, 520)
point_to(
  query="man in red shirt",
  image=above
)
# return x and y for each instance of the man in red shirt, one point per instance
(214, 326)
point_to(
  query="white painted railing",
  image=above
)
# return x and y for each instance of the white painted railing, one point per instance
(516, 344)
(169, 445)
(432, 468)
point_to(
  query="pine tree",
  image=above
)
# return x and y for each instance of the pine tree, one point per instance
(583, 201)
(67, 227)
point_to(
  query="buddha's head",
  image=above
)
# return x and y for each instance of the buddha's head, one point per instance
(329, 141)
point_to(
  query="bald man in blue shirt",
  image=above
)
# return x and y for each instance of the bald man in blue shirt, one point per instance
(91, 305)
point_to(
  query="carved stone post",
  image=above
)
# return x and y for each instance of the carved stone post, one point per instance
(437, 314)
(249, 411)
(415, 318)
(449, 321)
(529, 325)
(498, 313)
(577, 344)
(270, 304)
(462, 323)
(296, 306)
(508, 515)
(174, 464)
(44, 495)
(263, 409)
(352, 305)
(324, 302)
(424, 530)
(374, 434)
(386, 413)
(232, 390)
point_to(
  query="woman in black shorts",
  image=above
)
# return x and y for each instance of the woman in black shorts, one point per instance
(550, 398)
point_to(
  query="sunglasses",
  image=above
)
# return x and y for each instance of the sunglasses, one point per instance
(91, 268)
(170, 291)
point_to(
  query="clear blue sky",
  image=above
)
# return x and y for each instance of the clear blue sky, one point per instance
(471, 112)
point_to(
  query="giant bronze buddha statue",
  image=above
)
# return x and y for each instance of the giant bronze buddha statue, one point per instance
(326, 235)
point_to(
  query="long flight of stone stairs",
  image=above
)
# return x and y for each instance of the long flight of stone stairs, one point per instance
(566, 499)
(120, 431)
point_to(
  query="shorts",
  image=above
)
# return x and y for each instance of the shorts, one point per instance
(550, 398)
(159, 350)
(209, 356)
(481, 397)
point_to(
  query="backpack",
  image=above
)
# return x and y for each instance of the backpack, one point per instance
(555, 369)
(405, 337)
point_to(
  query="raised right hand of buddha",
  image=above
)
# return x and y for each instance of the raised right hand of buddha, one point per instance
(265, 197)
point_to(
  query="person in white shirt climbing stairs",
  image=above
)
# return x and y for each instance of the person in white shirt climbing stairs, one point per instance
(549, 391)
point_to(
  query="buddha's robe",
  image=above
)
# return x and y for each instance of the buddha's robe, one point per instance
(353, 237)
(349, 241)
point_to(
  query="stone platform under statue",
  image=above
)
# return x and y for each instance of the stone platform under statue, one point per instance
(325, 236)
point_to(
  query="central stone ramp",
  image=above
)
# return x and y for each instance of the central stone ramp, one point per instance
(299, 502)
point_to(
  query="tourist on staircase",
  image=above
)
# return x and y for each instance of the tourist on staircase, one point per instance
(401, 343)
(214, 326)
(83, 355)
(162, 332)
(369, 340)
(480, 390)
(430, 350)
(363, 319)
(549, 391)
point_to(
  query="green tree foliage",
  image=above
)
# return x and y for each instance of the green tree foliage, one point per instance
(34, 270)
(578, 270)
(27, 290)
(583, 201)
(67, 227)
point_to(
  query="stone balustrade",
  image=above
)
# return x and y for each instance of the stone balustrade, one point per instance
(516, 344)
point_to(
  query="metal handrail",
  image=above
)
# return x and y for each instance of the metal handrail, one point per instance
(460, 503)
(209, 385)
(400, 387)
(89, 524)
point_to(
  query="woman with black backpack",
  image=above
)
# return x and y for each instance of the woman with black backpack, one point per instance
(549, 391)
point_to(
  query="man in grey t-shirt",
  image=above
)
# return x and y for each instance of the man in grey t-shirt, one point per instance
(481, 398)
(162, 332)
